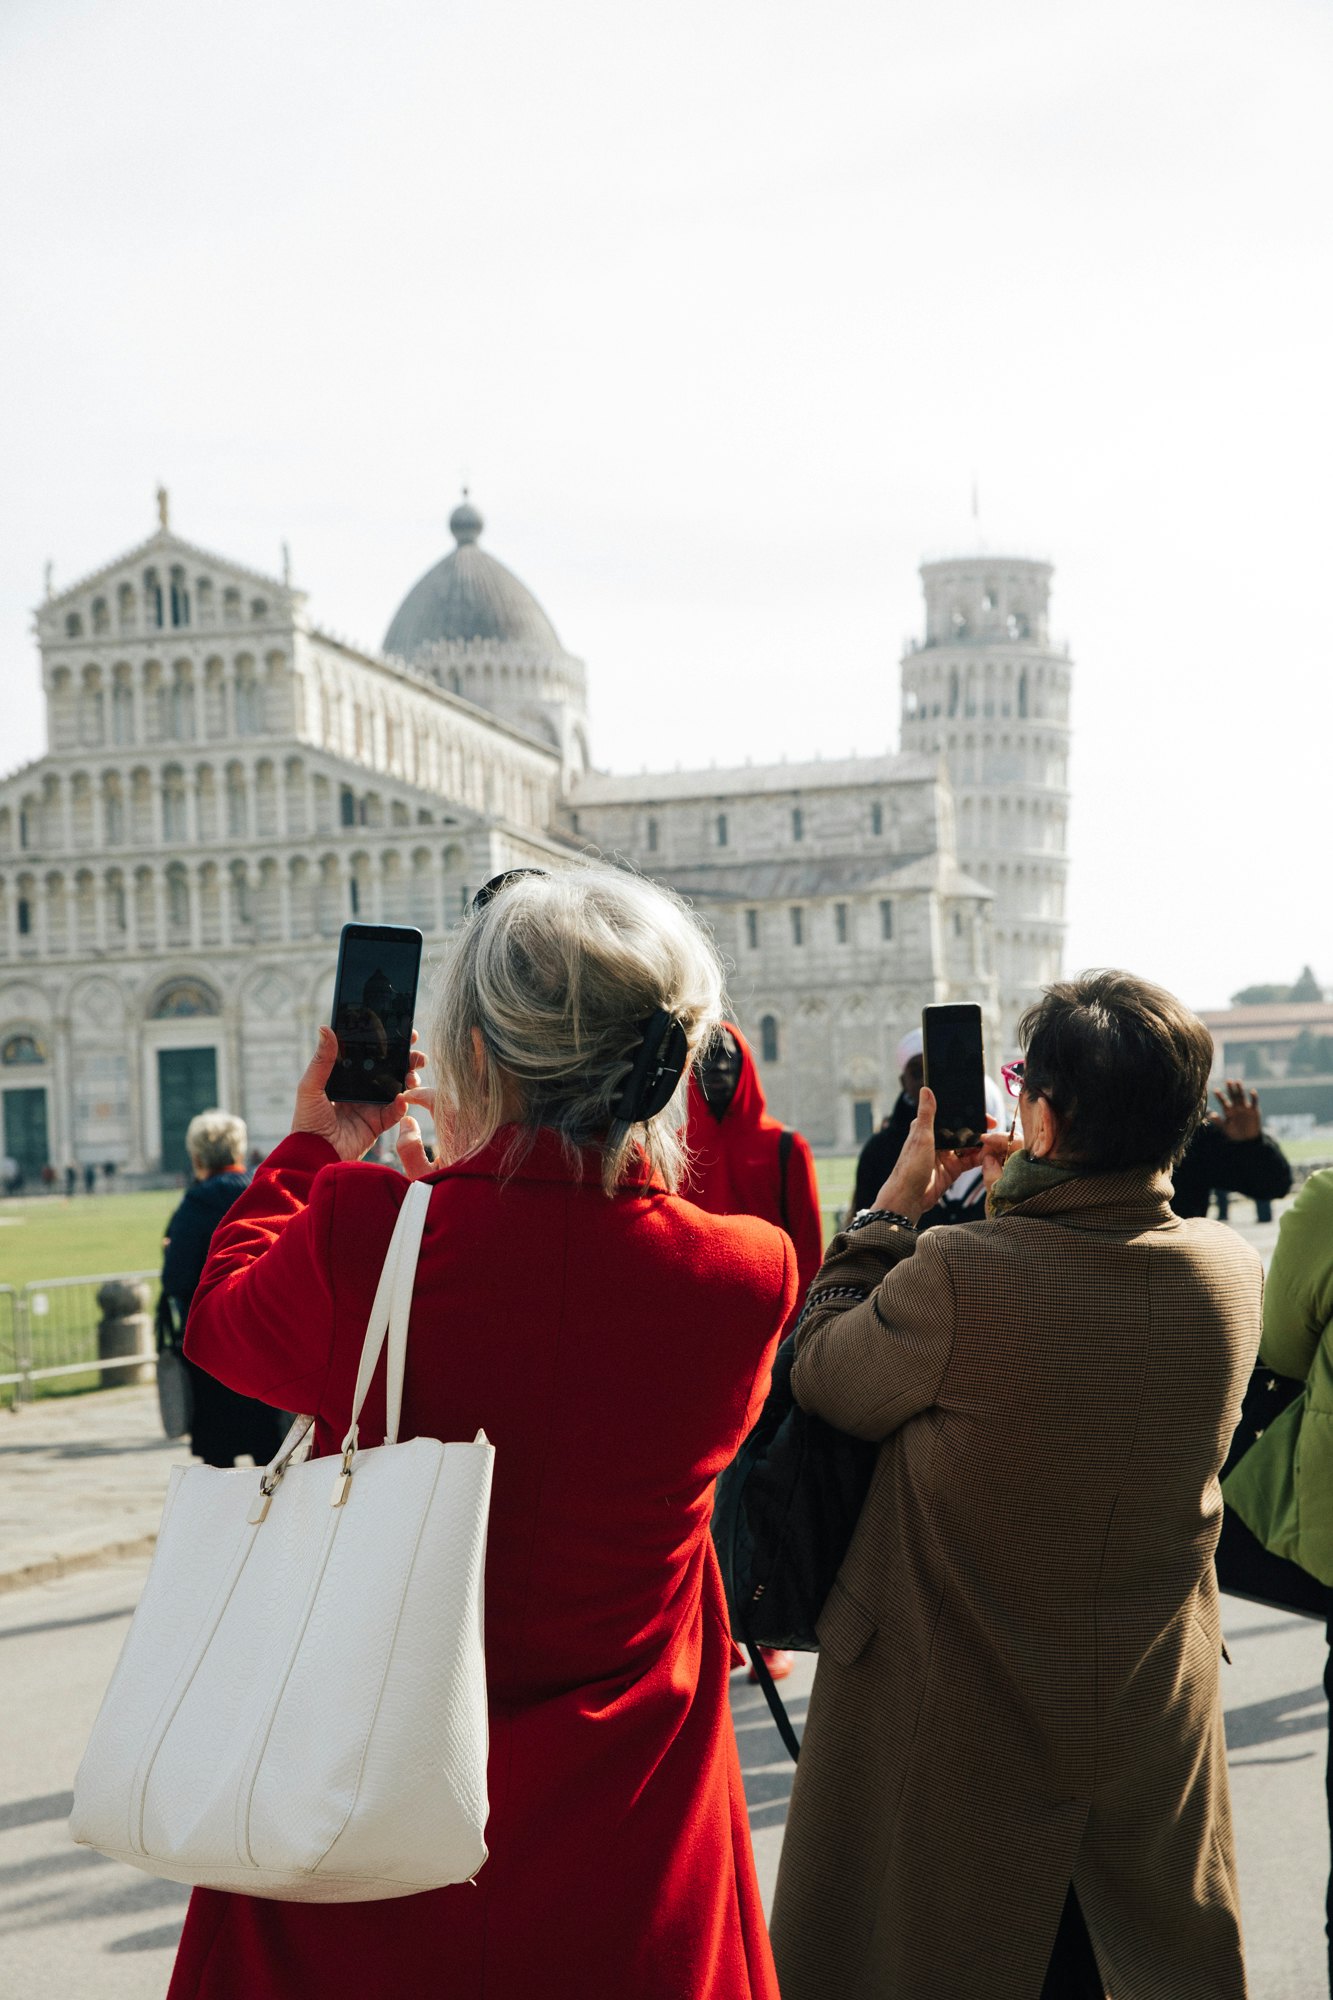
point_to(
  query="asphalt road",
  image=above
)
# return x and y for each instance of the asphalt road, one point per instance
(74, 1924)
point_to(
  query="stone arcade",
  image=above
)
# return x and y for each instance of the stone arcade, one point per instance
(226, 784)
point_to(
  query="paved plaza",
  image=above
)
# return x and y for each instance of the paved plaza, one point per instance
(81, 1484)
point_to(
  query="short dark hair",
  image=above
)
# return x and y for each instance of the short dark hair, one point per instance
(1123, 1065)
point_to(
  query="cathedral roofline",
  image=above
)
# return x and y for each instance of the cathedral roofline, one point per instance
(405, 670)
(837, 875)
(613, 787)
(158, 544)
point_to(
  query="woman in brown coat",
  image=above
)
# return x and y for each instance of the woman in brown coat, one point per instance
(1016, 1732)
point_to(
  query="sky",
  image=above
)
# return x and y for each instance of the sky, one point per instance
(722, 311)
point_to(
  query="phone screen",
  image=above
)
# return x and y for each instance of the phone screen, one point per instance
(373, 1003)
(954, 1060)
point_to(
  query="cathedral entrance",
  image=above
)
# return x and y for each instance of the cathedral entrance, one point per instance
(187, 1082)
(26, 1139)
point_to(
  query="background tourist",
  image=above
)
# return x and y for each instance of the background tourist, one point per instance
(1014, 1769)
(224, 1426)
(744, 1162)
(614, 1341)
(1283, 1493)
(1230, 1153)
(880, 1153)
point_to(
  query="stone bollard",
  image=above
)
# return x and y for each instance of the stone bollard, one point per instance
(125, 1327)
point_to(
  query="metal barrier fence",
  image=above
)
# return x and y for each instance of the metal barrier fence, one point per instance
(51, 1330)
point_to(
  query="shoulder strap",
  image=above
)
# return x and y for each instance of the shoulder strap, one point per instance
(389, 1314)
(777, 1707)
(784, 1161)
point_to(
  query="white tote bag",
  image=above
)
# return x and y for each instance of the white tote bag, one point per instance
(299, 1709)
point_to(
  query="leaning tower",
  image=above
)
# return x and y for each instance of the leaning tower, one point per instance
(989, 692)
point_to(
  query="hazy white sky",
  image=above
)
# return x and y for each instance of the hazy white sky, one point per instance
(720, 309)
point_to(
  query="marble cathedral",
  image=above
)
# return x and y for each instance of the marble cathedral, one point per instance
(226, 784)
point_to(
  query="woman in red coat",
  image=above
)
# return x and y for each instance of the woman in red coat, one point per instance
(614, 1342)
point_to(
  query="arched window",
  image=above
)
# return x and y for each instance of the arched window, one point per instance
(231, 606)
(953, 691)
(249, 702)
(113, 810)
(797, 925)
(797, 824)
(178, 899)
(1023, 692)
(173, 805)
(122, 712)
(652, 836)
(182, 704)
(347, 806)
(877, 818)
(184, 997)
(180, 597)
(22, 1049)
(125, 606)
(722, 829)
(152, 598)
(768, 1038)
(101, 615)
(73, 625)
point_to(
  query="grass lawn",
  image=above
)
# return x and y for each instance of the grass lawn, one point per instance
(77, 1236)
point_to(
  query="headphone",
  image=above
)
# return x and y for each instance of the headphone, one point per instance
(656, 1070)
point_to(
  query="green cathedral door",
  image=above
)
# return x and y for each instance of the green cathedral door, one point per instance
(187, 1082)
(26, 1140)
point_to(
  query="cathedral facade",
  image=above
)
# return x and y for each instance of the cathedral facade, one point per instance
(226, 784)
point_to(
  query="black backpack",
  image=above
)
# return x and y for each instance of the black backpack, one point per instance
(783, 1519)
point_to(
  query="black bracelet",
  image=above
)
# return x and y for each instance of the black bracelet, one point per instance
(867, 1215)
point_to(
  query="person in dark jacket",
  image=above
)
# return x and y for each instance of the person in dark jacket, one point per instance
(1231, 1151)
(879, 1155)
(224, 1426)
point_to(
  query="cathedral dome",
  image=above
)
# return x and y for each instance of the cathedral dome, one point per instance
(469, 595)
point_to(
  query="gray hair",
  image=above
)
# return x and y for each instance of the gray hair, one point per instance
(216, 1140)
(559, 972)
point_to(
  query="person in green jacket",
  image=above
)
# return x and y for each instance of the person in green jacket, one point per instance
(1283, 1487)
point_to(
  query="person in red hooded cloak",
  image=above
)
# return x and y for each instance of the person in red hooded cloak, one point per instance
(743, 1161)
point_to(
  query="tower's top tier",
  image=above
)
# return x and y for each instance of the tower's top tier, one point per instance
(986, 600)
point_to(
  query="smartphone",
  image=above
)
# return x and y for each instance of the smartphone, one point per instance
(374, 999)
(954, 1060)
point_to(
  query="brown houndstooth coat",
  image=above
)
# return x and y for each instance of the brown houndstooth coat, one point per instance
(1018, 1682)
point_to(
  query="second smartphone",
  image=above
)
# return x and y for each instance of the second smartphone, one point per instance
(374, 999)
(954, 1060)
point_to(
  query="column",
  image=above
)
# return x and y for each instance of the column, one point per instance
(194, 889)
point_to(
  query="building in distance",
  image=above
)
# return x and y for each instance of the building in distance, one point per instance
(227, 783)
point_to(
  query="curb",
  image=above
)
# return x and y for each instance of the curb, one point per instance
(45, 1569)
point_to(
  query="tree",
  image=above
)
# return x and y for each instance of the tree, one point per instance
(1260, 996)
(1311, 1055)
(1307, 987)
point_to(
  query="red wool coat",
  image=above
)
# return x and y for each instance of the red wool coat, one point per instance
(736, 1166)
(615, 1352)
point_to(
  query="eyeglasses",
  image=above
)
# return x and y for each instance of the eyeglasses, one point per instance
(1013, 1077)
(497, 882)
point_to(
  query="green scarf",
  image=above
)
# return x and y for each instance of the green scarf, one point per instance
(1022, 1178)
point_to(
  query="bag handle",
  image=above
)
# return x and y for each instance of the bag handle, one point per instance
(389, 1316)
